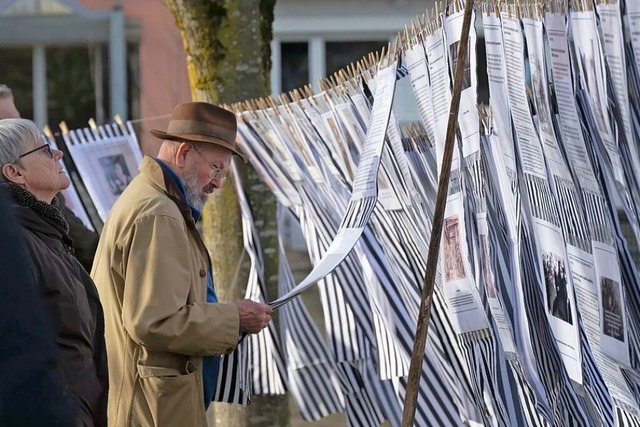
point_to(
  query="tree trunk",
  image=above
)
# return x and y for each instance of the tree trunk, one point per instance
(228, 60)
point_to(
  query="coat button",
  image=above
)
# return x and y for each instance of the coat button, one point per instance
(203, 273)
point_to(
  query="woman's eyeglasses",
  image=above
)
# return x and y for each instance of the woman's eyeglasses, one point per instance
(42, 147)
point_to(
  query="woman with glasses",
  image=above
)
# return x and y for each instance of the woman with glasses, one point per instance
(32, 174)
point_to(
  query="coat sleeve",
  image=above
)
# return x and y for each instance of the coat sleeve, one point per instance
(157, 282)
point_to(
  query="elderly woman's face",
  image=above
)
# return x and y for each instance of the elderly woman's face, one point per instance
(42, 170)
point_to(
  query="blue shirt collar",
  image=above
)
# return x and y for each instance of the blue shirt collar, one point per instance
(194, 211)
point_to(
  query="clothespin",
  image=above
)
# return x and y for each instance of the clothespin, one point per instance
(272, 103)
(63, 127)
(321, 85)
(379, 58)
(94, 128)
(47, 131)
(397, 43)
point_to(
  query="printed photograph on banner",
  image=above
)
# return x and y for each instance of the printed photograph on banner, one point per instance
(453, 264)
(453, 54)
(540, 92)
(611, 299)
(116, 172)
(589, 65)
(555, 279)
(613, 329)
(556, 283)
(105, 168)
(487, 271)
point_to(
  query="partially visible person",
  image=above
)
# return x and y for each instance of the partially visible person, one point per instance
(85, 241)
(32, 174)
(31, 389)
(8, 108)
(165, 328)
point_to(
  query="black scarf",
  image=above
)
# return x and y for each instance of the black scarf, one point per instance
(49, 212)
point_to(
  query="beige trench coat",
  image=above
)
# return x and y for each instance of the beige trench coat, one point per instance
(150, 270)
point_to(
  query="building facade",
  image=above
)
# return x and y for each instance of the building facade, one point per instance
(72, 60)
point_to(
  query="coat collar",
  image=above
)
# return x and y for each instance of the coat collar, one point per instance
(32, 221)
(151, 169)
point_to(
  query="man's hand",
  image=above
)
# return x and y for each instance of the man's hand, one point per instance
(254, 316)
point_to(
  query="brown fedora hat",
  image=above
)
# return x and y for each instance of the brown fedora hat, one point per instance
(202, 122)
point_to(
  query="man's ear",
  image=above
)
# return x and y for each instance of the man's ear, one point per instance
(13, 173)
(181, 153)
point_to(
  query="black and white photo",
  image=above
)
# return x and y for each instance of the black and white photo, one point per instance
(555, 280)
(116, 173)
(612, 322)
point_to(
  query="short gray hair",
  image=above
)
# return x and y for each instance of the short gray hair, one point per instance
(14, 135)
(5, 91)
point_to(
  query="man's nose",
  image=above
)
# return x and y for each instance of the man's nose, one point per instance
(217, 183)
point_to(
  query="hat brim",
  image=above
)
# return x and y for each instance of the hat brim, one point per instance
(199, 138)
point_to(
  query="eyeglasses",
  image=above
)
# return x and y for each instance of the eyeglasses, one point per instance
(45, 146)
(216, 172)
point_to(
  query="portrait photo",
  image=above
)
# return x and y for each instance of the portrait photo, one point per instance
(116, 172)
(540, 94)
(466, 75)
(611, 297)
(555, 279)
(453, 265)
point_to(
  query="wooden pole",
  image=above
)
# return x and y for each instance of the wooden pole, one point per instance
(422, 327)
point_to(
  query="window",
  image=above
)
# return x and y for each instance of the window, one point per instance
(295, 65)
(36, 7)
(340, 54)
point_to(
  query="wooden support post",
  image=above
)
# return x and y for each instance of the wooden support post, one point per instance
(422, 327)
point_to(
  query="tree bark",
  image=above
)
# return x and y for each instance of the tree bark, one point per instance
(228, 60)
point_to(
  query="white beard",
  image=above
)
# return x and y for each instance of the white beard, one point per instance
(194, 193)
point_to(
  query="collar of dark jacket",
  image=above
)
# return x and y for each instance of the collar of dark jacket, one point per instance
(41, 217)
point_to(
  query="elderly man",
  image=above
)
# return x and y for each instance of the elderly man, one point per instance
(164, 327)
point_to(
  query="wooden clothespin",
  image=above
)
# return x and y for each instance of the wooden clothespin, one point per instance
(63, 127)
(47, 132)
(379, 56)
(397, 45)
(284, 99)
(272, 103)
(308, 91)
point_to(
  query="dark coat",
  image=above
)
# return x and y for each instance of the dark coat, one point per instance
(72, 301)
(85, 241)
(31, 388)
